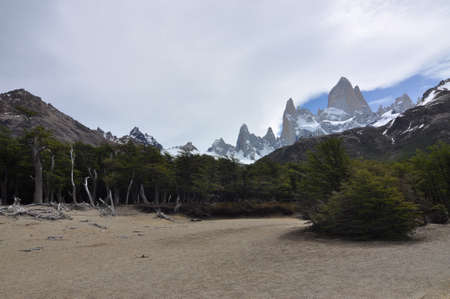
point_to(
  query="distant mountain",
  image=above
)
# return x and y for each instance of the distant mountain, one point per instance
(346, 109)
(20, 110)
(135, 136)
(249, 147)
(415, 128)
(188, 148)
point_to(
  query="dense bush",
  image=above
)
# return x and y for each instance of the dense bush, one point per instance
(368, 206)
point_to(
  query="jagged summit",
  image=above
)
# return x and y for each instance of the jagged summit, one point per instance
(344, 97)
(443, 88)
(135, 136)
(416, 128)
(141, 138)
(243, 129)
(346, 109)
(290, 107)
(270, 136)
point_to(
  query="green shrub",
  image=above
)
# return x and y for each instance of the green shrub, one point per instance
(368, 207)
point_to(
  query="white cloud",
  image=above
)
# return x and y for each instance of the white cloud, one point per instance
(196, 70)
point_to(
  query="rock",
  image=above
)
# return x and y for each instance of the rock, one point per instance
(222, 149)
(344, 97)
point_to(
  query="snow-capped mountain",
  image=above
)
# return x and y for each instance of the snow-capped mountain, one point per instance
(135, 136)
(346, 109)
(188, 148)
(433, 93)
(400, 104)
(249, 147)
(416, 128)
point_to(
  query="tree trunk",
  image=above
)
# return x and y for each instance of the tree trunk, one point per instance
(74, 188)
(38, 193)
(128, 190)
(137, 198)
(86, 187)
(94, 177)
(116, 197)
(144, 197)
(113, 209)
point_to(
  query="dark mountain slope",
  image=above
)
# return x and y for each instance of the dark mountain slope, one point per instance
(16, 104)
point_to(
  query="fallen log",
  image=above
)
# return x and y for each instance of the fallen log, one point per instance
(160, 214)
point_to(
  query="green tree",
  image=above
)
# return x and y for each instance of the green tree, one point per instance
(38, 139)
(368, 206)
(10, 156)
(324, 171)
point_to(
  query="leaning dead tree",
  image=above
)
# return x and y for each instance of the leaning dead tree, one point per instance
(143, 196)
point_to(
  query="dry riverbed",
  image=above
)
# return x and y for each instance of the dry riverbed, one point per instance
(138, 256)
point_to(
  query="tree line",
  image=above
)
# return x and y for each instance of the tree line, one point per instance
(38, 168)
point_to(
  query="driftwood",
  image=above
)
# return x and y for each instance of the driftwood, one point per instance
(107, 210)
(40, 211)
(160, 214)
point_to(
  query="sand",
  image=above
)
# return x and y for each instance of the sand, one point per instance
(138, 256)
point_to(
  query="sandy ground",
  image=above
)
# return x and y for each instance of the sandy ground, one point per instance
(138, 256)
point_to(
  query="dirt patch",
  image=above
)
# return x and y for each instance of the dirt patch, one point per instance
(138, 256)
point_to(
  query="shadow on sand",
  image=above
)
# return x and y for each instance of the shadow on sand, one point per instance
(306, 234)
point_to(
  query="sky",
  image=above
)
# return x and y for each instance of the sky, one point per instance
(197, 70)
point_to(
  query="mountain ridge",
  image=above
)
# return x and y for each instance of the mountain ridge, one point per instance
(416, 128)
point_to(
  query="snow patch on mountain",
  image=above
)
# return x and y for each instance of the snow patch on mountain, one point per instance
(385, 118)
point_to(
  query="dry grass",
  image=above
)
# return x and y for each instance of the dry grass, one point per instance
(138, 256)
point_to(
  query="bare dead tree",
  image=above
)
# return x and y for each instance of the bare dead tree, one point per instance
(74, 188)
(177, 205)
(130, 184)
(86, 187)
(113, 209)
(94, 176)
(36, 150)
(143, 196)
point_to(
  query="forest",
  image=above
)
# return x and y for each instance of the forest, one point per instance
(39, 169)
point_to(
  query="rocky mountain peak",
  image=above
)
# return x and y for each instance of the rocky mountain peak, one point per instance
(344, 97)
(443, 88)
(400, 105)
(221, 148)
(189, 147)
(290, 107)
(270, 136)
(145, 139)
(243, 129)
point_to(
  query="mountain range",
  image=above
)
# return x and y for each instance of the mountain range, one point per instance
(346, 109)
(347, 115)
(416, 128)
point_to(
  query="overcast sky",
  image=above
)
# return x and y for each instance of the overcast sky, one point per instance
(196, 70)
